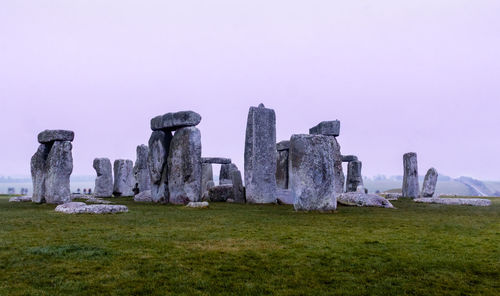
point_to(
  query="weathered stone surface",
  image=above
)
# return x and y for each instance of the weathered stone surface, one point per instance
(430, 181)
(349, 158)
(225, 174)
(59, 168)
(205, 197)
(207, 175)
(326, 128)
(216, 160)
(184, 166)
(202, 204)
(238, 189)
(392, 196)
(39, 172)
(363, 200)
(20, 199)
(141, 170)
(144, 196)
(410, 178)
(124, 177)
(175, 121)
(104, 181)
(354, 177)
(337, 168)
(282, 169)
(220, 193)
(48, 136)
(285, 197)
(479, 202)
(82, 208)
(312, 177)
(159, 146)
(283, 145)
(260, 155)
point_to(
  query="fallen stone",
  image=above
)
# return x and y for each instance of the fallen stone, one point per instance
(144, 196)
(260, 156)
(220, 193)
(225, 173)
(363, 200)
(216, 160)
(49, 136)
(430, 182)
(479, 202)
(104, 181)
(312, 177)
(124, 177)
(59, 168)
(238, 189)
(283, 145)
(282, 169)
(83, 208)
(202, 204)
(391, 195)
(159, 146)
(39, 172)
(175, 121)
(349, 158)
(20, 199)
(326, 128)
(285, 197)
(354, 177)
(184, 166)
(410, 178)
(141, 170)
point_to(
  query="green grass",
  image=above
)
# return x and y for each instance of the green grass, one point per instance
(230, 249)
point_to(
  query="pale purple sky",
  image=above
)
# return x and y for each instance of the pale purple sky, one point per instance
(401, 76)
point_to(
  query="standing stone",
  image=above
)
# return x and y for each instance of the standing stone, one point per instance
(326, 128)
(207, 175)
(410, 178)
(39, 172)
(312, 176)
(159, 145)
(104, 180)
(260, 155)
(430, 182)
(59, 169)
(225, 175)
(354, 177)
(124, 177)
(282, 164)
(238, 189)
(184, 166)
(141, 171)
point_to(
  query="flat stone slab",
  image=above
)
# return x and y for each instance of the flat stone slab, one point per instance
(202, 204)
(20, 199)
(174, 121)
(283, 145)
(363, 200)
(216, 160)
(478, 202)
(392, 196)
(144, 196)
(48, 136)
(83, 208)
(349, 158)
(326, 128)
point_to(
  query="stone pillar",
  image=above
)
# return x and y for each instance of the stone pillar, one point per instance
(430, 182)
(354, 177)
(104, 181)
(225, 175)
(124, 177)
(141, 171)
(159, 146)
(260, 155)
(282, 164)
(207, 175)
(184, 166)
(312, 175)
(410, 178)
(238, 189)
(39, 172)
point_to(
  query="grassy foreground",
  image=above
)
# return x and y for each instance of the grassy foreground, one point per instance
(229, 249)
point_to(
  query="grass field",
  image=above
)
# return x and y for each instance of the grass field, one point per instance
(229, 249)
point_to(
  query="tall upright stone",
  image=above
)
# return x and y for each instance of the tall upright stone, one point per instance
(39, 172)
(141, 171)
(260, 155)
(410, 178)
(207, 175)
(283, 148)
(354, 177)
(225, 174)
(60, 167)
(124, 177)
(312, 175)
(430, 182)
(159, 146)
(104, 181)
(184, 166)
(238, 189)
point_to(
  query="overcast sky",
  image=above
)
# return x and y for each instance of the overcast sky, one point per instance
(401, 76)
